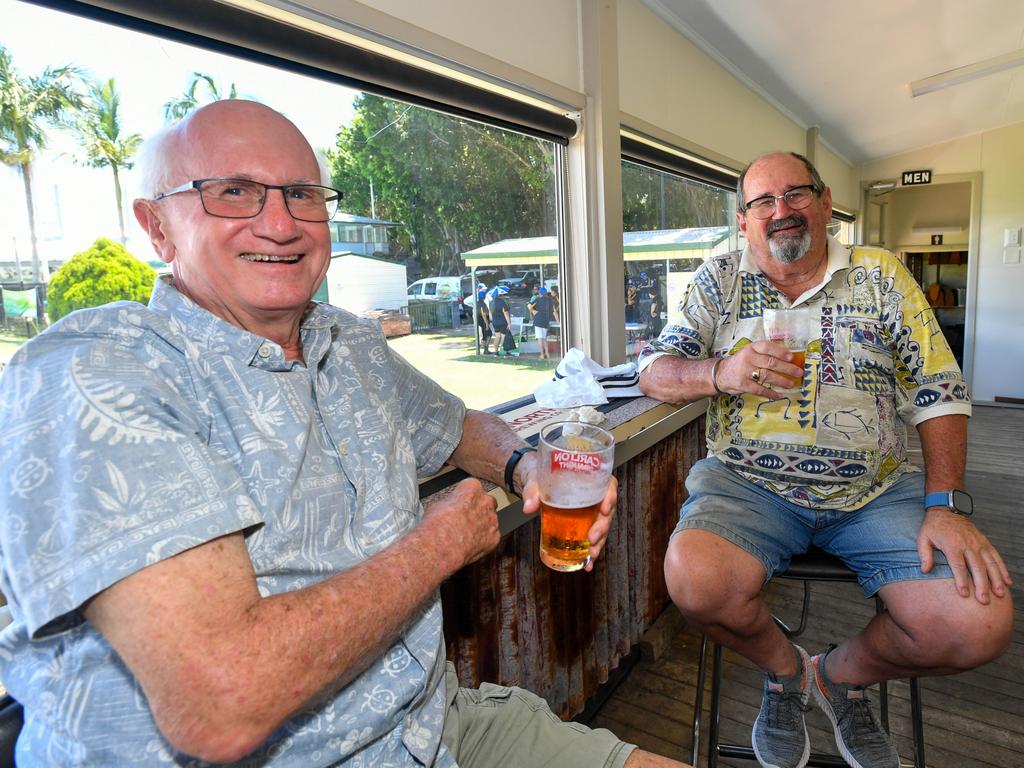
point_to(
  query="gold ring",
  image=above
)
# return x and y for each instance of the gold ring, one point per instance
(756, 375)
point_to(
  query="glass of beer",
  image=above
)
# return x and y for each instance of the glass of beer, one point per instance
(792, 329)
(575, 466)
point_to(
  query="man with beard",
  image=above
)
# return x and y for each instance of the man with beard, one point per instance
(816, 455)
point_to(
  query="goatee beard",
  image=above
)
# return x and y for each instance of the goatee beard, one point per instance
(789, 248)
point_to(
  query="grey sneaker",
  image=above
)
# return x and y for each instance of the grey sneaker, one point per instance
(780, 735)
(862, 741)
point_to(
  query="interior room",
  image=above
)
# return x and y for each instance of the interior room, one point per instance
(588, 151)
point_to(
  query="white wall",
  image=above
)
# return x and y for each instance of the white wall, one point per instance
(666, 80)
(926, 206)
(841, 177)
(999, 331)
(361, 284)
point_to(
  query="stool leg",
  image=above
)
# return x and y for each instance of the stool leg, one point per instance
(716, 692)
(883, 688)
(883, 704)
(915, 719)
(698, 704)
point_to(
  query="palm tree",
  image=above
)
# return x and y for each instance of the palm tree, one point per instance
(175, 109)
(98, 125)
(27, 105)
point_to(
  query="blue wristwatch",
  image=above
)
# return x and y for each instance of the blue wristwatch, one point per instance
(957, 501)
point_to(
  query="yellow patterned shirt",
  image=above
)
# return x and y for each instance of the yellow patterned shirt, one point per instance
(877, 362)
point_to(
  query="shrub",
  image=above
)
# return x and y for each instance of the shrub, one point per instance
(102, 273)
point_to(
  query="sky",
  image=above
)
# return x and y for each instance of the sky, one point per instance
(76, 204)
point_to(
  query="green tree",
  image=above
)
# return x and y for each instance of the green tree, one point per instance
(104, 272)
(655, 200)
(202, 89)
(99, 129)
(27, 105)
(453, 184)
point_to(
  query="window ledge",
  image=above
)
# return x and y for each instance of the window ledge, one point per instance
(637, 423)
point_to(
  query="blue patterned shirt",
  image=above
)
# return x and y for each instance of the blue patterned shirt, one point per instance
(877, 361)
(133, 433)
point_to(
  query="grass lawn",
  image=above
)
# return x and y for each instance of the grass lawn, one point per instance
(9, 344)
(480, 380)
(449, 359)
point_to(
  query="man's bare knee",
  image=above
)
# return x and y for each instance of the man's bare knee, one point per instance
(953, 632)
(708, 576)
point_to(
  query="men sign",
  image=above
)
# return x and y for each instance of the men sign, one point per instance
(909, 178)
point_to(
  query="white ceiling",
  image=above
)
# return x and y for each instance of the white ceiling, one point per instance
(846, 65)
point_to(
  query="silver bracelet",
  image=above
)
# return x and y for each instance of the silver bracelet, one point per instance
(714, 375)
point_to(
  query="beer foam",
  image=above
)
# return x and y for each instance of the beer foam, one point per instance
(573, 491)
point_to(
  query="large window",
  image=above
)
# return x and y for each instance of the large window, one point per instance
(671, 225)
(427, 195)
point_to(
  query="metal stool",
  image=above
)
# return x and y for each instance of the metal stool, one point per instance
(814, 565)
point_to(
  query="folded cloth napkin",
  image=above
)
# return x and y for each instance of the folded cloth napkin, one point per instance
(581, 381)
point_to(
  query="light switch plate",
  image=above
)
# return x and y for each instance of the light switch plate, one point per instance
(1011, 255)
(1011, 237)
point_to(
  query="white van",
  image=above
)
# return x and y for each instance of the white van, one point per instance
(441, 288)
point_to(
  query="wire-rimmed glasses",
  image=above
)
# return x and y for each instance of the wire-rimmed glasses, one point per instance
(244, 198)
(797, 199)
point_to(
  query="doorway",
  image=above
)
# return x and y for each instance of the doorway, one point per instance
(933, 229)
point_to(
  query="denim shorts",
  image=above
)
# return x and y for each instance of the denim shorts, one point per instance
(878, 541)
(495, 726)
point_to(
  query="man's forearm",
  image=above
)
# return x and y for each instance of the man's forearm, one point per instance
(944, 447)
(222, 667)
(487, 442)
(676, 380)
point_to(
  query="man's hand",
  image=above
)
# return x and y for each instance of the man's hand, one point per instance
(969, 552)
(760, 368)
(598, 532)
(466, 520)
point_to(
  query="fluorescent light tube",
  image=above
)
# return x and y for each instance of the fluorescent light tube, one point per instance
(966, 73)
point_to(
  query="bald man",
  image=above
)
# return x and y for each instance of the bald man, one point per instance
(212, 540)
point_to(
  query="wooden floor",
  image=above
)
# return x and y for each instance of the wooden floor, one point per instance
(971, 719)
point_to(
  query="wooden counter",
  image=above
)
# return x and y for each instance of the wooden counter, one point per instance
(509, 619)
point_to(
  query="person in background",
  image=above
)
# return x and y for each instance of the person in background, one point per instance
(501, 323)
(652, 311)
(483, 318)
(542, 310)
(211, 538)
(631, 302)
(815, 454)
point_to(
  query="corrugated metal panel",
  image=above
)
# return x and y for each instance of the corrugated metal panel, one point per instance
(511, 620)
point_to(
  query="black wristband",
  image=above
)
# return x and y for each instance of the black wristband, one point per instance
(513, 462)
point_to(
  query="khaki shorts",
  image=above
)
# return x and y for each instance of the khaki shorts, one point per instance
(497, 727)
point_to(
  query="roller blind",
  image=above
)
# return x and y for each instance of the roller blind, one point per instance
(248, 35)
(679, 163)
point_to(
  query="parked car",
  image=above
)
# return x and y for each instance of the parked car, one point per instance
(441, 288)
(521, 284)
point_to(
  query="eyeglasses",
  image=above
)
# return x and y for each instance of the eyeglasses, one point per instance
(244, 199)
(797, 198)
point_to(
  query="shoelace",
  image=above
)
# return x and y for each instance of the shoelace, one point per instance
(862, 718)
(782, 709)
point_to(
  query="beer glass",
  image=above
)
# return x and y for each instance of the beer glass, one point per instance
(575, 466)
(792, 329)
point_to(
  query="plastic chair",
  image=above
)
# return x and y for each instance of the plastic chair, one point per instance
(814, 565)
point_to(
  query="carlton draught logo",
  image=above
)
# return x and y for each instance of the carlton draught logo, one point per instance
(571, 461)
